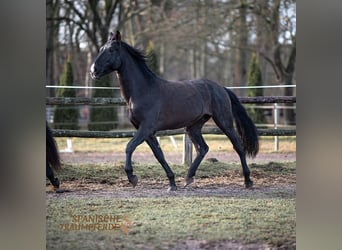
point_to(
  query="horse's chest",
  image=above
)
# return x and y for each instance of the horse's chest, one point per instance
(138, 111)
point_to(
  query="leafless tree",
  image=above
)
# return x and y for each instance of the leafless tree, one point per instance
(193, 38)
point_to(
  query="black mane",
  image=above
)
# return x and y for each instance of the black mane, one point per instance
(141, 58)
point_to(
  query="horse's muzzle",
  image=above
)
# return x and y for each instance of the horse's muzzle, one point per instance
(92, 72)
(94, 76)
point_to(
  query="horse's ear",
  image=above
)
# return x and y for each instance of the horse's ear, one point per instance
(111, 36)
(118, 36)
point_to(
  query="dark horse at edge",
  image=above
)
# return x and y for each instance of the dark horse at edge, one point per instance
(156, 104)
(52, 158)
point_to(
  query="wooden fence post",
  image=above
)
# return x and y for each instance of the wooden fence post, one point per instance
(187, 150)
(276, 121)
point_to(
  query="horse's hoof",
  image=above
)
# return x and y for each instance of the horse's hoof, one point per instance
(55, 183)
(188, 181)
(60, 190)
(249, 184)
(172, 188)
(134, 180)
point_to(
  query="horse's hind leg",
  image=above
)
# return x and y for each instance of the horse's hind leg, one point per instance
(201, 147)
(158, 153)
(226, 125)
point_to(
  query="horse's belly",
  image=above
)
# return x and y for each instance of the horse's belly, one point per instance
(179, 116)
(182, 105)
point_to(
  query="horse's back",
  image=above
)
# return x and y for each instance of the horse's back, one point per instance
(216, 98)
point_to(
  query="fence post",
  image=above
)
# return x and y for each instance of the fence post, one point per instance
(187, 150)
(276, 117)
(69, 148)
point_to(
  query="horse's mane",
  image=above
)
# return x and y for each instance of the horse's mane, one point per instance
(141, 58)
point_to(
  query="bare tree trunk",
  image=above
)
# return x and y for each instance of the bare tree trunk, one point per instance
(241, 56)
(283, 71)
(263, 35)
(289, 113)
(203, 59)
(290, 116)
(51, 34)
(203, 41)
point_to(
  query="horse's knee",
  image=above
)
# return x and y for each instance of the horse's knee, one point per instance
(204, 149)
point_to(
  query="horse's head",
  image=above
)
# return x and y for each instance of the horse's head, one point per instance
(108, 58)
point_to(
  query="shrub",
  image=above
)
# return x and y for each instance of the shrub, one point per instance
(66, 117)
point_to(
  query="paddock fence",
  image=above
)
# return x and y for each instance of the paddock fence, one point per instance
(187, 144)
(124, 134)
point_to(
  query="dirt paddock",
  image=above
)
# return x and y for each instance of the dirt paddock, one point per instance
(226, 186)
(267, 185)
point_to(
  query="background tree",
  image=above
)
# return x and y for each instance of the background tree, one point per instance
(192, 38)
(279, 25)
(241, 44)
(66, 117)
(52, 45)
(255, 79)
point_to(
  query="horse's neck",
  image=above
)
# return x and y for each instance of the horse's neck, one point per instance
(134, 83)
(126, 89)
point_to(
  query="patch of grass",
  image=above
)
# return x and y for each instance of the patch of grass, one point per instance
(276, 167)
(112, 172)
(166, 222)
(90, 172)
(115, 171)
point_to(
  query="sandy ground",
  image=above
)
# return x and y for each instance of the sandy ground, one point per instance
(171, 158)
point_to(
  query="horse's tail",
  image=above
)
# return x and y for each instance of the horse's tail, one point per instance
(52, 156)
(245, 126)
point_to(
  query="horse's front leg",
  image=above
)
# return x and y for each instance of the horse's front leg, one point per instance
(138, 138)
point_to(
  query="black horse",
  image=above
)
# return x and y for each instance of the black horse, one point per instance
(52, 158)
(157, 104)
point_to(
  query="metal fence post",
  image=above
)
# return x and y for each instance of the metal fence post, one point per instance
(187, 150)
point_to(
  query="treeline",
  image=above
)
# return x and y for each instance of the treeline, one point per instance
(190, 38)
